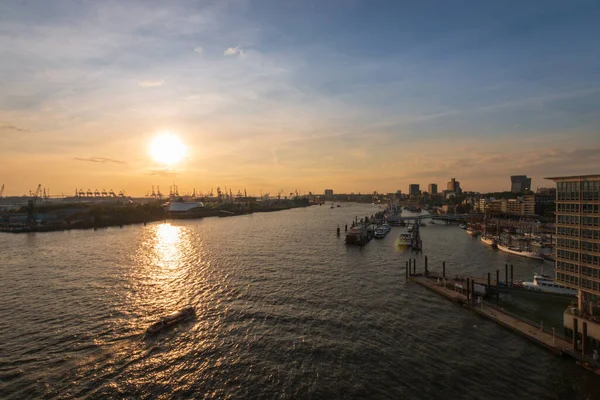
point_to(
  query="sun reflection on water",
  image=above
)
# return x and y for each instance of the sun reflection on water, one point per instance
(167, 246)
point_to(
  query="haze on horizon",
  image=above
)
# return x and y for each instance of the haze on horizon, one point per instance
(350, 95)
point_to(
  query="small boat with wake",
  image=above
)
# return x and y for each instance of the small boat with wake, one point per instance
(170, 319)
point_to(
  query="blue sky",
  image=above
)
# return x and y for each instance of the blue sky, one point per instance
(354, 95)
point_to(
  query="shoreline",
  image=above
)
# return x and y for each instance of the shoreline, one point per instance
(107, 223)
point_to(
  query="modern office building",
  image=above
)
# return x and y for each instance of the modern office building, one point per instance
(328, 194)
(453, 186)
(520, 183)
(413, 189)
(578, 253)
(432, 189)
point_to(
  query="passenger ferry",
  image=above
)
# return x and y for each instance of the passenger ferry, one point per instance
(382, 231)
(546, 284)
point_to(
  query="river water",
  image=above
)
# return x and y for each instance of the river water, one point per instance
(283, 310)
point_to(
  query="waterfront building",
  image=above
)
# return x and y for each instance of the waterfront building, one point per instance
(413, 189)
(578, 250)
(329, 194)
(490, 206)
(432, 189)
(520, 183)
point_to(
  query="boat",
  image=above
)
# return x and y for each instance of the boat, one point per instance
(171, 319)
(471, 232)
(462, 226)
(358, 235)
(410, 228)
(519, 252)
(546, 284)
(380, 232)
(488, 240)
(405, 239)
(537, 243)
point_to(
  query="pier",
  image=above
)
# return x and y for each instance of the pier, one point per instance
(470, 295)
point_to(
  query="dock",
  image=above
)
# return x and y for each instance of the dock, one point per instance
(465, 294)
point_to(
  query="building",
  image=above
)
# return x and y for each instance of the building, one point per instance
(413, 189)
(328, 194)
(490, 206)
(454, 186)
(520, 183)
(432, 189)
(578, 251)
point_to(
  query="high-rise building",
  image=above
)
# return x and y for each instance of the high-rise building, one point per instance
(520, 183)
(413, 189)
(454, 186)
(432, 189)
(578, 251)
(329, 194)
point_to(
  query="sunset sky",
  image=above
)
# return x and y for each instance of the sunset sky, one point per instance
(305, 95)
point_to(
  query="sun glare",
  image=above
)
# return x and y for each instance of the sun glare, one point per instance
(167, 149)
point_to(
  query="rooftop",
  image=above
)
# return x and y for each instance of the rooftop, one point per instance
(561, 178)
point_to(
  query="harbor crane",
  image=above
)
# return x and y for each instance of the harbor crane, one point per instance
(31, 204)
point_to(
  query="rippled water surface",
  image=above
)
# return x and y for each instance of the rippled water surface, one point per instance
(283, 310)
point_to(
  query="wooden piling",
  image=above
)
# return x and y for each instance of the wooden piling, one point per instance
(511, 275)
(468, 289)
(497, 278)
(472, 291)
(425, 265)
(489, 280)
(444, 269)
(407, 270)
(505, 274)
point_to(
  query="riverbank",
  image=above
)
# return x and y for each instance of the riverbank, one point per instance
(78, 216)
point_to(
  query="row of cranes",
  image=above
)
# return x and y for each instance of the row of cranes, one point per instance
(223, 196)
(80, 193)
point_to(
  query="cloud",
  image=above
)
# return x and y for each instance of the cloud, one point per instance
(101, 160)
(162, 172)
(146, 84)
(9, 127)
(233, 51)
(199, 50)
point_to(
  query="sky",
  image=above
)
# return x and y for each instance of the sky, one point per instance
(356, 96)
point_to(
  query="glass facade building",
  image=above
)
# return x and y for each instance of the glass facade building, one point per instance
(578, 238)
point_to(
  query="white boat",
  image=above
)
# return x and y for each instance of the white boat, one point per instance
(462, 226)
(546, 284)
(380, 232)
(519, 252)
(386, 227)
(410, 228)
(405, 239)
(488, 240)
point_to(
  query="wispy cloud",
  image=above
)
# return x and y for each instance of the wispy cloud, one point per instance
(10, 127)
(199, 50)
(165, 173)
(233, 51)
(148, 84)
(102, 160)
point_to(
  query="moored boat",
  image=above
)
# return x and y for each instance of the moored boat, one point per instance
(488, 240)
(462, 226)
(519, 252)
(170, 319)
(546, 284)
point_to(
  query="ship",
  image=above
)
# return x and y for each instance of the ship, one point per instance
(546, 284)
(519, 252)
(169, 320)
(488, 240)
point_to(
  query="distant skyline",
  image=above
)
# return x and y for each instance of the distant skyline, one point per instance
(352, 95)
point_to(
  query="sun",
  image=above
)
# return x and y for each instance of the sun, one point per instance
(167, 149)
